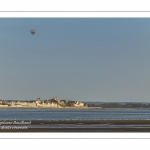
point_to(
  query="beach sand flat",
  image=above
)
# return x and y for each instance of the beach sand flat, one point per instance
(77, 126)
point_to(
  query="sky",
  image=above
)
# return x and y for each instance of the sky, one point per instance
(83, 59)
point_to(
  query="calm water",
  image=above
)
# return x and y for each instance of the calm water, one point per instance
(63, 114)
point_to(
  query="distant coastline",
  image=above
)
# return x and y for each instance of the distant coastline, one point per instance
(38, 103)
(74, 108)
(54, 103)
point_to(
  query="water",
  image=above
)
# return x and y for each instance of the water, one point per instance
(73, 114)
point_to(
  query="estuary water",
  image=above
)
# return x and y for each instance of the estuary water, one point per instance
(72, 114)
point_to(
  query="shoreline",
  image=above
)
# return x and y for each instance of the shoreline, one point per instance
(1, 107)
(78, 125)
(76, 121)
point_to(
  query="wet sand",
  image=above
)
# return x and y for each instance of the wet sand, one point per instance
(80, 126)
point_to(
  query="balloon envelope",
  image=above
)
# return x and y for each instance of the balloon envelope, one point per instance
(32, 31)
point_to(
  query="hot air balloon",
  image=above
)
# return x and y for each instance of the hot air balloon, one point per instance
(32, 31)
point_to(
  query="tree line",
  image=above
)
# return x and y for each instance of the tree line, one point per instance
(119, 105)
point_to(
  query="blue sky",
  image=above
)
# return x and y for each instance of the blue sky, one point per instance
(85, 59)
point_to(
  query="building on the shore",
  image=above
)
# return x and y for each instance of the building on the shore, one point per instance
(15, 104)
(31, 104)
(21, 103)
(47, 103)
(38, 101)
(54, 102)
(78, 104)
(71, 103)
(56, 99)
(63, 102)
(1, 101)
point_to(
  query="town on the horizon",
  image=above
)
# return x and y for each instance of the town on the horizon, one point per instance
(54, 102)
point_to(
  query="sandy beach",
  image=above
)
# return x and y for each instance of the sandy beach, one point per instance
(77, 126)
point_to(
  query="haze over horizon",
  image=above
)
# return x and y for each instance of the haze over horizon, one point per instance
(84, 59)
